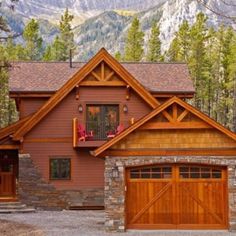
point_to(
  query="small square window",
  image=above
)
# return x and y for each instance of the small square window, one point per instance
(60, 169)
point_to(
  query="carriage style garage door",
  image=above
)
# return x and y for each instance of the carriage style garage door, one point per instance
(176, 197)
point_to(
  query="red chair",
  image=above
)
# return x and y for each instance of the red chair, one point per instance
(119, 129)
(82, 134)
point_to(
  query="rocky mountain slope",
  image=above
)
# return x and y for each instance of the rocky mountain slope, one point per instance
(106, 27)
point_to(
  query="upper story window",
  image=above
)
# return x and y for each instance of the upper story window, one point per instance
(102, 120)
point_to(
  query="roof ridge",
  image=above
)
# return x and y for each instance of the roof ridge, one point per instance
(76, 62)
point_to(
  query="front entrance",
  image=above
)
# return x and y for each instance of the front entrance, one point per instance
(177, 197)
(8, 174)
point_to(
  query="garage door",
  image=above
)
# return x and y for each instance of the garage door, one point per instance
(176, 197)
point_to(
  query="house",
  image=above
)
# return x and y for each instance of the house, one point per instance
(119, 135)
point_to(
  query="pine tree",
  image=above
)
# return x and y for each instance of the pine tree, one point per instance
(197, 59)
(33, 41)
(154, 44)
(118, 56)
(48, 56)
(134, 42)
(64, 41)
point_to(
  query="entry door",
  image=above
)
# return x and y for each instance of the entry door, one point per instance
(7, 179)
(176, 197)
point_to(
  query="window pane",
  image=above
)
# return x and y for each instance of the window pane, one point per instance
(166, 169)
(145, 175)
(183, 169)
(216, 174)
(134, 175)
(194, 175)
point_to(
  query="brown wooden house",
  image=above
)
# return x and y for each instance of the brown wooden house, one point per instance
(119, 135)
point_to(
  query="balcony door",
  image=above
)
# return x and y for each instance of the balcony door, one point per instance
(102, 119)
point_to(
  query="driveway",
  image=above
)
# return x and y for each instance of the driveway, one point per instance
(86, 223)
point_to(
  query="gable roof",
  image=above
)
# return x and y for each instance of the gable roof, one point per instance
(155, 112)
(51, 76)
(76, 78)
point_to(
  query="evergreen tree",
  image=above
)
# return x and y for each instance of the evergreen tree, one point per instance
(134, 42)
(154, 44)
(197, 59)
(33, 41)
(65, 41)
(48, 56)
(118, 56)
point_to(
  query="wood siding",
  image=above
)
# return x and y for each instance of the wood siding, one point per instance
(58, 123)
(86, 171)
(53, 135)
(203, 138)
(30, 105)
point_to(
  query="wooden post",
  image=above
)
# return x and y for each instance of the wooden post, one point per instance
(74, 131)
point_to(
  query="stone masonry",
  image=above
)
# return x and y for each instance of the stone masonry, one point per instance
(115, 183)
(34, 191)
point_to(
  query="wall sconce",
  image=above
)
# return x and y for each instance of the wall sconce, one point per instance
(125, 108)
(80, 107)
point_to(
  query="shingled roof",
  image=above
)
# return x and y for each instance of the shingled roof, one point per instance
(50, 76)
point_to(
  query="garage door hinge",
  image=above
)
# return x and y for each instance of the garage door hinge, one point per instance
(125, 188)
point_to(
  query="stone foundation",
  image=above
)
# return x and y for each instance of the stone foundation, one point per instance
(34, 191)
(115, 183)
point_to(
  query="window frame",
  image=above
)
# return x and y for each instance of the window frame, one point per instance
(59, 158)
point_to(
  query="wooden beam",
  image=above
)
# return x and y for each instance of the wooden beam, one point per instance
(127, 92)
(11, 147)
(102, 71)
(109, 75)
(172, 152)
(95, 75)
(167, 116)
(103, 83)
(175, 112)
(74, 132)
(182, 115)
(176, 125)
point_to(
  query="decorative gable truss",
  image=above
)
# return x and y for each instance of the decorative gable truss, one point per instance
(176, 117)
(103, 75)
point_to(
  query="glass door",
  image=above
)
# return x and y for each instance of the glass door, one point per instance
(102, 120)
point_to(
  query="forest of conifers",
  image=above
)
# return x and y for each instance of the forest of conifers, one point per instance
(210, 54)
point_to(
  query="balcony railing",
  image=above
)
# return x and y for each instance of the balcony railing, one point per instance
(94, 132)
(101, 129)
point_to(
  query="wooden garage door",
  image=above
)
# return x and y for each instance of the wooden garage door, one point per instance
(176, 197)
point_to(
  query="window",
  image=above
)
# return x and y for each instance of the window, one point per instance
(102, 119)
(60, 168)
(164, 172)
(196, 172)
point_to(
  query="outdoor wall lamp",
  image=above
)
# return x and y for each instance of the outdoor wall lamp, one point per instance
(125, 108)
(80, 107)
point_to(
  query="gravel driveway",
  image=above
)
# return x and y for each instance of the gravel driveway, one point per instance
(88, 223)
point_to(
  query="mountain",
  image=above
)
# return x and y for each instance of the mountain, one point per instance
(109, 29)
(81, 9)
(105, 23)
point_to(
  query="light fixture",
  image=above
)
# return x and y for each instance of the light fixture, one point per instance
(80, 107)
(125, 108)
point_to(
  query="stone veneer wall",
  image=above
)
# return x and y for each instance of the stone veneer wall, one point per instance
(34, 191)
(115, 183)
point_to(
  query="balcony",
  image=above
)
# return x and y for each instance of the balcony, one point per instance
(94, 133)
